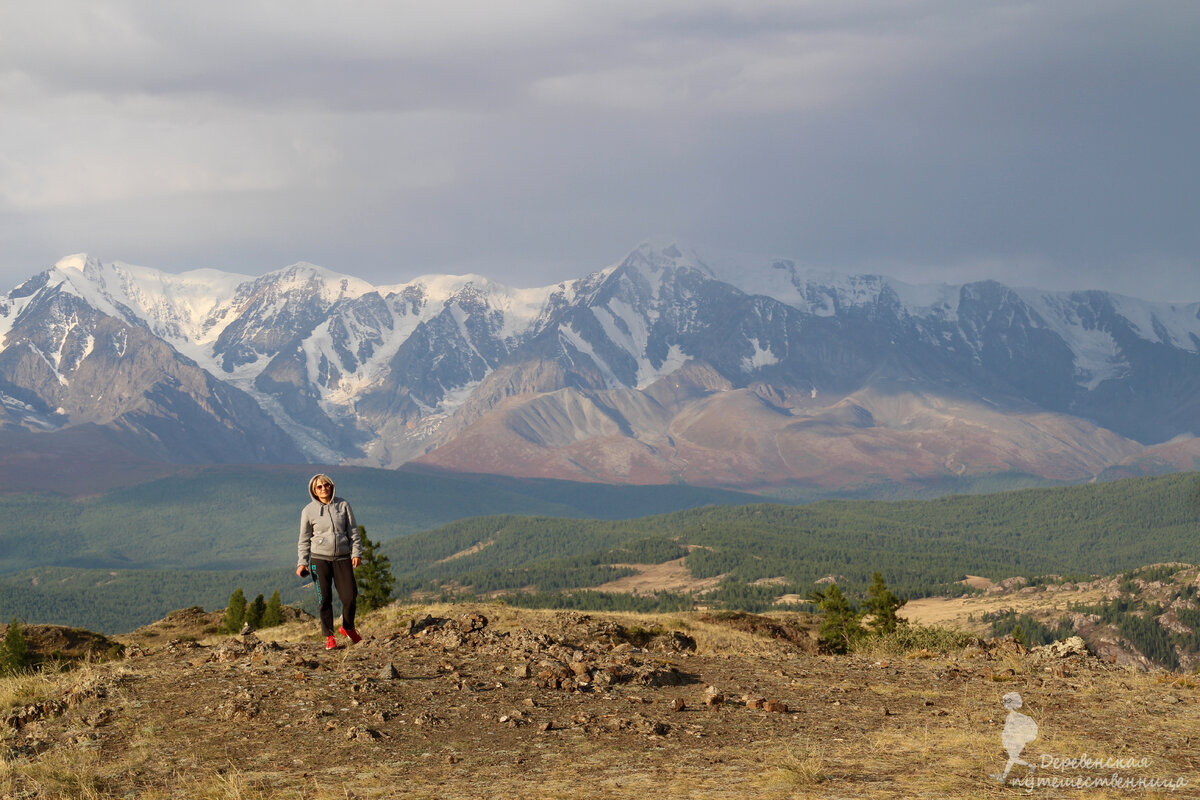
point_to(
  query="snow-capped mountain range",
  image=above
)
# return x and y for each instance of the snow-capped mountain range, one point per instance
(668, 366)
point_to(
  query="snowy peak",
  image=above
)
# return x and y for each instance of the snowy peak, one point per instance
(814, 291)
(178, 308)
(76, 261)
(303, 280)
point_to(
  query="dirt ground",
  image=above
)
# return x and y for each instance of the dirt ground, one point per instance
(490, 702)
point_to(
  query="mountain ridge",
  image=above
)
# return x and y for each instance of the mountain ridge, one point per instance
(667, 366)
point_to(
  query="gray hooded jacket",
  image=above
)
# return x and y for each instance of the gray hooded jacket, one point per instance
(327, 531)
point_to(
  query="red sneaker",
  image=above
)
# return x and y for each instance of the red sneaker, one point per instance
(331, 643)
(351, 634)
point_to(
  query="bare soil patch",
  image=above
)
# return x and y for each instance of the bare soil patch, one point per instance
(470, 551)
(978, 582)
(670, 576)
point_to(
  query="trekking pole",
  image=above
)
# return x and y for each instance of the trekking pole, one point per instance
(312, 573)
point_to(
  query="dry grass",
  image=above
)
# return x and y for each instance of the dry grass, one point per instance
(62, 774)
(957, 612)
(801, 764)
(26, 688)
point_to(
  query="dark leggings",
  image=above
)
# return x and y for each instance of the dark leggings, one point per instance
(341, 573)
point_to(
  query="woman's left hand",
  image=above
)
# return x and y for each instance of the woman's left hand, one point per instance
(354, 562)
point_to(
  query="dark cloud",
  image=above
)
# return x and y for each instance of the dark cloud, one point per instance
(1046, 144)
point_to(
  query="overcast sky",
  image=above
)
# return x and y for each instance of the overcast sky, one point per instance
(1047, 143)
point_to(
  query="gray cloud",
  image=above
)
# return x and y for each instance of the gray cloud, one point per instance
(1046, 144)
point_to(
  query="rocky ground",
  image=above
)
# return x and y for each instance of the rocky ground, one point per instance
(490, 702)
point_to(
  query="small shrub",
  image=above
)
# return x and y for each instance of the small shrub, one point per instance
(911, 638)
(15, 657)
(841, 627)
(235, 614)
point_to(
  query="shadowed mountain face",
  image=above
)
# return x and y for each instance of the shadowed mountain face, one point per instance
(667, 367)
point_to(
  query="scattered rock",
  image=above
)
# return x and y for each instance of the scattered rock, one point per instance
(1074, 646)
(473, 622)
(357, 734)
(101, 717)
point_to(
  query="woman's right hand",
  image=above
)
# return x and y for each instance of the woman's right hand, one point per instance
(301, 571)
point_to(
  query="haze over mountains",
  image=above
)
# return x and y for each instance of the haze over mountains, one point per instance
(670, 366)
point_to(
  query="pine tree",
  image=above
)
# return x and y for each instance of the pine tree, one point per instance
(273, 615)
(235, 614)
(840, 627)
(15, 656)
(255, 612)
(882, 605)
(374, 576)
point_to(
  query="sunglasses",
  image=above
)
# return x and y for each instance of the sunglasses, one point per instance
(320, 486)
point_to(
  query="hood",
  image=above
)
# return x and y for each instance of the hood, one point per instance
(312, 493)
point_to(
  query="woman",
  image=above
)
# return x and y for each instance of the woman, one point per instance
(331, 547)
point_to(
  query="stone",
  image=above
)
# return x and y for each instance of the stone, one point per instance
(1073, 646)
(362, 734)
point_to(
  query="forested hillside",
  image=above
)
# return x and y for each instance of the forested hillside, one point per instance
(245, 517)
(207, 537)
(921, 547)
